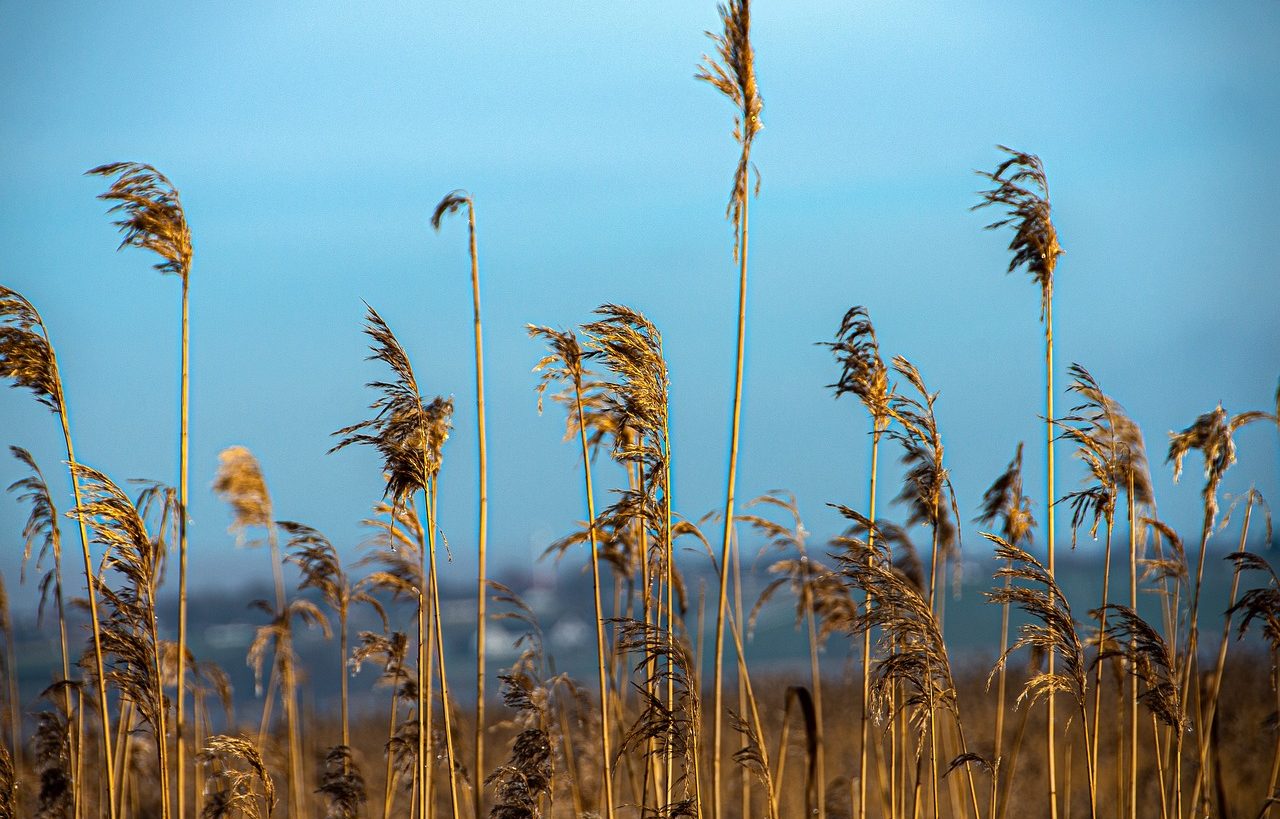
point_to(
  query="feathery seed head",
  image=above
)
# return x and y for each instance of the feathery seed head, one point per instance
(151, 214)
(1213, 434)
(1022, 189)
(26, 357)
(862, 371)
(239, 482)
(451, 203)
(733, 74)
(1004, 500)
(409, 434)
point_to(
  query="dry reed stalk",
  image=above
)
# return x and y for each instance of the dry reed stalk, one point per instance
(320, 568)
(342, 785)
(1111, 446)
(864, 375)
(451, 203)
(671, 731)
(240, 483)
(1055, 632)
(152, 218)
(631, 346)
(390, 649)
(13, 699)
(1152, 663)
(1004, 501)
(1262, 604)
(232, 788)
(733, 75)
(1024, 195)
(410, 435)
(8, 784)
(53, 749)
(925, 487)
(799, 696)
(817, 591)
(130, 633)
(565, 364)
(1251, 498)
(42, 527)
(1211, 433)
(28, 359)
(926, 484)
(433, 587)
(911, 648)
(894, 540)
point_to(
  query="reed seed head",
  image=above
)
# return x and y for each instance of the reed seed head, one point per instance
(151, 215)
(1022, 190)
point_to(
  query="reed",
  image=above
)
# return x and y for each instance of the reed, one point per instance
(130, 633)
(42, 528)
(1004, 502)
(864, 376)
(1261, 604)
(1110, 444)
(1251, 499)
(1213, 433)
(631, 346)
(409, 433)
(240, 781)
(241, 484)
(565, 366)
(1021, 189)
(452, 203)
(151, 218)
(817, 591)
(27, 358)
(1052, 629)
(912, 654)
(732, 72)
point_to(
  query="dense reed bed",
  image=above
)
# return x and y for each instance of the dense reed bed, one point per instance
(1090, 708)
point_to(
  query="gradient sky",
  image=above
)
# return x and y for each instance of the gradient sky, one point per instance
(310, 147)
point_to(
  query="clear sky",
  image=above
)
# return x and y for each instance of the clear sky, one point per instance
(311, 141)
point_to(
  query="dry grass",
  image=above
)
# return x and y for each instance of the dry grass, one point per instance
(902, 730)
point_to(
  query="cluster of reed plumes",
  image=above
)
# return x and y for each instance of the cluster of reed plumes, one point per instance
(131, 725)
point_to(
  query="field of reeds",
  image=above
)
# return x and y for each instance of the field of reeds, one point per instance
(1156, 693)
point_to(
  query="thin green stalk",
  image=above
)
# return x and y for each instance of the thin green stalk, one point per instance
(434, 587)
(91, 585)
(1133, 679)
(718, 692)
(864, 723)
(1092, 758)
(601, 648)
(482, 584)
(1051, 727)
(183, 468)
(1216, 687)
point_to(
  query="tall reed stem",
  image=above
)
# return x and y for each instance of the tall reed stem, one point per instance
(1092, 758)
(434, 586)
(183, 467)
(717, 694)
(601, 648)
(1133, 678)
(1051, 725)
(91, 586)
(864, 722)
(482, 580)
(1215, 689)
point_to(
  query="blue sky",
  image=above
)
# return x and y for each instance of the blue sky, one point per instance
(311, 147)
